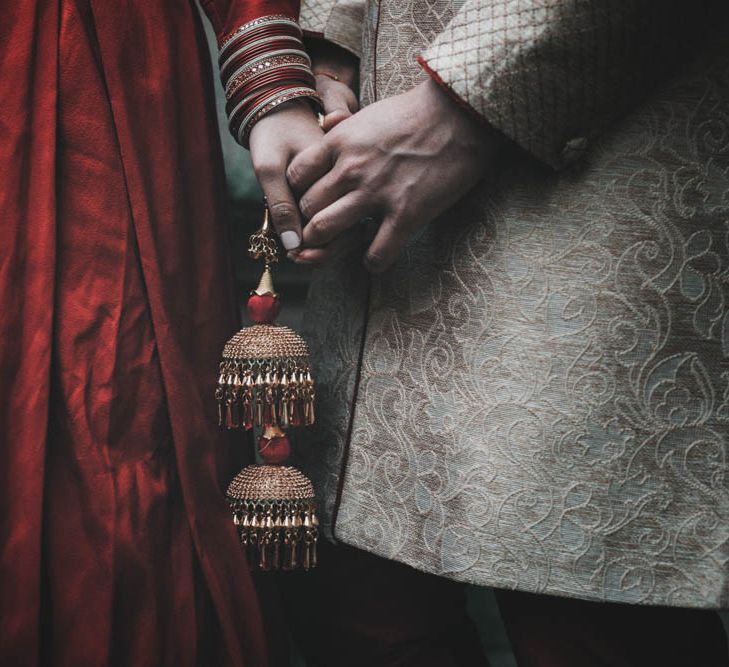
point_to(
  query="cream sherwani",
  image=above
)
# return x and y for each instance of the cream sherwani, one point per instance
(537, 395)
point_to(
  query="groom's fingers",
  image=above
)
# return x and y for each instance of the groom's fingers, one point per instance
(387, 245)
(334, 220)
(328, 189)
(309, 166)
(282, 206)
(340, 245)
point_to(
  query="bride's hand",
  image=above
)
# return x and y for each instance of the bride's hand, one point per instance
(281, 135)
(274, 142)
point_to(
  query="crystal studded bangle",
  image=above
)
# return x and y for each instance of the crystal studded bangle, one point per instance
(263, 64)
(242, 31)
(256, 48)
(296, 75)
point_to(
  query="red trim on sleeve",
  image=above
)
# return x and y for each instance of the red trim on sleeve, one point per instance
(450, 92)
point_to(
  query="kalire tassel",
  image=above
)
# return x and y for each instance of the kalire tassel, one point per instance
(265, 381)
(274, 510)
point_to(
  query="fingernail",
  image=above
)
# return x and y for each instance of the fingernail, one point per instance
(290, 239)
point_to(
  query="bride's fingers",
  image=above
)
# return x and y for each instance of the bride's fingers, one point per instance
(275, 137)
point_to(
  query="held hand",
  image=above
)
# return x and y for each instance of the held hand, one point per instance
(274, 141)
(338, 98)
(401, 161)
(336, 80)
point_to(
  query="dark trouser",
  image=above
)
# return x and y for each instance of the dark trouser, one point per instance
(360, 610)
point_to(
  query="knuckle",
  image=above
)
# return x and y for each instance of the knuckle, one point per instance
(400, 215)
(282, 212)
(265, 167)
(293, 174)
(350, 170)
(307, 207)
(337, 139)
(264, 172)
(317, 226)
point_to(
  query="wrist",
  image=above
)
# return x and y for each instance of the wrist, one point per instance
(290, 124)
(297, 110)
(462, 121)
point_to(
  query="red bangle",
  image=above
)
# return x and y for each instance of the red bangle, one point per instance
(244, 108)
(263, 65)
(244, 56)
(266, 30)
(249, 51)
(282, 75)
(267, 65)
(247, 96)
(267, 76)
(280, 20)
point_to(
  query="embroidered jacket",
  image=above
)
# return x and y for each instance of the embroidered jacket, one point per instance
(537, 395)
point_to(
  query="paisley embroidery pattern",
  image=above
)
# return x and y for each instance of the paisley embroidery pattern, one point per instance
(544, 395)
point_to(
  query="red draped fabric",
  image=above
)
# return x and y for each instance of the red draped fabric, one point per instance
(116, 545)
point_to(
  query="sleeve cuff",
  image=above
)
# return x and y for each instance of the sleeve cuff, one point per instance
(340, 23)
(482, 70)
(448, 90)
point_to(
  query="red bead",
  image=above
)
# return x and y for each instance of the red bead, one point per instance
(274, 450)
(263, 309)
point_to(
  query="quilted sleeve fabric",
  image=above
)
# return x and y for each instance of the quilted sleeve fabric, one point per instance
(338, 21)
(550, 74)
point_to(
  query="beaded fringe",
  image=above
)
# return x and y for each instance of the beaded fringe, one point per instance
(260, 393)
(278, 535)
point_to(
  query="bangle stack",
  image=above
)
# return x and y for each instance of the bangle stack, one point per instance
(262, 65)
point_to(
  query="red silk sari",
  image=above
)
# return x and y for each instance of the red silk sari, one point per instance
(115, 299)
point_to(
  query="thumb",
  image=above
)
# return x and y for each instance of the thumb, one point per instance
(282, 207)
(338, 99)
(333, 118)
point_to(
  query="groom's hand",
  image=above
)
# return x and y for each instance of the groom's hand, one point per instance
(401, 162)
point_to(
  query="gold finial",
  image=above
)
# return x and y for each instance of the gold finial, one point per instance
(265, 285)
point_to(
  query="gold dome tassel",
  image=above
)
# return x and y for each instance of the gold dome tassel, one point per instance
(265, 381)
